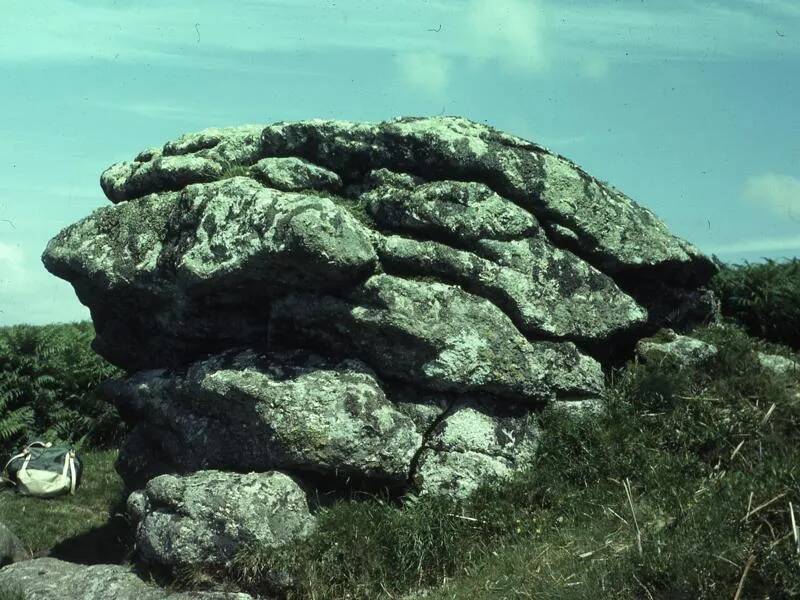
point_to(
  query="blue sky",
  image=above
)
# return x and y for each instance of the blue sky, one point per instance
(688, 106)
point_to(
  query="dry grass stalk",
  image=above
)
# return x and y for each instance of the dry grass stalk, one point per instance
(644, 587)
(736, 451)
(747, 566)
(627, 486)
(762, 506)
(795, 529)
(768, 415)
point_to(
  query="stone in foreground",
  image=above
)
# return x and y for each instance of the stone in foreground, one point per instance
(688, 351)
(680, 349)
(52, 579)
(206, 517)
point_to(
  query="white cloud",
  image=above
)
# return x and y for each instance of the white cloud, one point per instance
(428, 71)
(29, 294)
(177, 111)
(778, 193)
(510, 31)
(595, 67)
(11, 259)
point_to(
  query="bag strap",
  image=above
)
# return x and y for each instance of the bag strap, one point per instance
(22, 454)
(72, 476)
(24, 468)
(25, 452)
(69, 467)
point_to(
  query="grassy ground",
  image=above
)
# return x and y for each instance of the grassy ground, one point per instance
(681, 490)
(80, 528)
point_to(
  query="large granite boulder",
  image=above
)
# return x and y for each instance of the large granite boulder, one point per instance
(190, 261)
(364, 304)
(205, 518)
(52, 579)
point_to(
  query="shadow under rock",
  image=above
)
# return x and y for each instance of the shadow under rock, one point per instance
(111, 543)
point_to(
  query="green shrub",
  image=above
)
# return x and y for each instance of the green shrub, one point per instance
(764, 297)
(47, 379)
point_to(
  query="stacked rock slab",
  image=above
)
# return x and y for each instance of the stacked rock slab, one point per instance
(361, 304)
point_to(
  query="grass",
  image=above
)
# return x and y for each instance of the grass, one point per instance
(232, 170)
(81, 528)
(698, 450)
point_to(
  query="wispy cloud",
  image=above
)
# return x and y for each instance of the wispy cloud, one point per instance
(11, 259)
(164, 110)
(522, 33)
(777, 244)
(428, 71)
(508, 31)
(780, 194)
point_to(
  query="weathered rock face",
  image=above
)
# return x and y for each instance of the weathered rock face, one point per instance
(258, 413)
(355, 302)
(474, 443)
(170, 276)
(206, 517)
(435, 335)
(52, 579)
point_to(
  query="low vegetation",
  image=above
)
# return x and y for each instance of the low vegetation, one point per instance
(681, 490)
(763, 297)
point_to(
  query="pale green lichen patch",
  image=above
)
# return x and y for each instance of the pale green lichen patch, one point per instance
(309, 414)
(434, 335)
(209, 516)
(477, 441)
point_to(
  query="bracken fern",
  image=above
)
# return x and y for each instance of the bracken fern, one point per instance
(764, 297)
(47, 380)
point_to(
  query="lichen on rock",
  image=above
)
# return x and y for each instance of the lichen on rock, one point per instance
(207, 517)
(358, 305)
